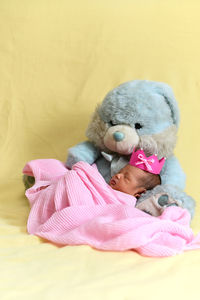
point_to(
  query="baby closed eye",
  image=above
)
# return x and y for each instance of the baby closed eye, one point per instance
(126, 176)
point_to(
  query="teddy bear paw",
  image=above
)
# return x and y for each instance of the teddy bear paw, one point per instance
(156, 204)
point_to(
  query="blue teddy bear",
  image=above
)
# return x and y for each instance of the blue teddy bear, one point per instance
(141, 114)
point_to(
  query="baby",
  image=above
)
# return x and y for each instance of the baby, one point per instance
(134, 181)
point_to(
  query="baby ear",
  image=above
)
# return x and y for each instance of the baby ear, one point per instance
(139, 192)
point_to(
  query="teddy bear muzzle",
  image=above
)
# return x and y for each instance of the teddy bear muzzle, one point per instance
(121, 139)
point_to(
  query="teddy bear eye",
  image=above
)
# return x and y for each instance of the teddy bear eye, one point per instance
(138, 126)
(111, 123)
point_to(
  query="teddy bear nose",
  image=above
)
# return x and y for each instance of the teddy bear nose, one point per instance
(118, 136)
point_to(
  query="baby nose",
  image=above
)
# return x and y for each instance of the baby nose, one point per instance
(118, 175)
(118, 136)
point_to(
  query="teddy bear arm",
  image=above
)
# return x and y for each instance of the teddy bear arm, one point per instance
(85, 151)
(172, 173)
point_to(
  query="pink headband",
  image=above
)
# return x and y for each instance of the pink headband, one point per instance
(150, 164)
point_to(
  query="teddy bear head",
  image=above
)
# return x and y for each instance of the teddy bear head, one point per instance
(141, 114)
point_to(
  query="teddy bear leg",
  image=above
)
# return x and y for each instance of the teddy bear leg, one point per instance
(155, 205)
(175, 195)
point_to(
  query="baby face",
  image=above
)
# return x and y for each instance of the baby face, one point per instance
(128, 180)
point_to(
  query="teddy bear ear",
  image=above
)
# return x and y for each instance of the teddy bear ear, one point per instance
(166, 91)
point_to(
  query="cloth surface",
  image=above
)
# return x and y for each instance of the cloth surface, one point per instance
(58, 59)
(76, 207)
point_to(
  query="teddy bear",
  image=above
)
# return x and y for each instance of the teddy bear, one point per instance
(137, 114)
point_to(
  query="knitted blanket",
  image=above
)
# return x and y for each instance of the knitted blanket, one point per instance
(76, 207)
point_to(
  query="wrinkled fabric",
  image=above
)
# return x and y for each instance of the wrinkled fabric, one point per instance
(76, 207)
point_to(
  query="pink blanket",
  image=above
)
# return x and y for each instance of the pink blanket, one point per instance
(77, 207)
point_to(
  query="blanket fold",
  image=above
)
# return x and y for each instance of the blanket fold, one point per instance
(76, 207)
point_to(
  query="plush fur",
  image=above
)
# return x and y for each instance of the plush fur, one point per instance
(141, 114)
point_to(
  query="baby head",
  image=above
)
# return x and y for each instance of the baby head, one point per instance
(134, 181)
(140, 175)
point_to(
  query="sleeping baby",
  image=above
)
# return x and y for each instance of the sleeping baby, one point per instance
(78, 207)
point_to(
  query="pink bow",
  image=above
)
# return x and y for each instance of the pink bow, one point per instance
(145, 161)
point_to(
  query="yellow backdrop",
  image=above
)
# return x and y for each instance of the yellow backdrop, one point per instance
(58, 59)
